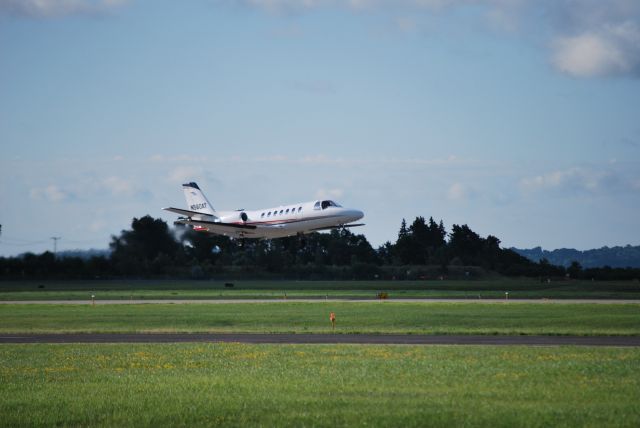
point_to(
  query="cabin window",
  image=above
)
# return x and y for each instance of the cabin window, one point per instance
(281, 211)
(262, 215)
(299, 209)
(269, 214)
(287, 211)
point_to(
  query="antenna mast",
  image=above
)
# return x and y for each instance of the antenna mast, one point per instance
(55, 243)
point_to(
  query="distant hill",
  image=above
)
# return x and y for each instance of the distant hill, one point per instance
(622, 257)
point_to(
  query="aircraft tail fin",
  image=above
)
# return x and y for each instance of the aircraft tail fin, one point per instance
(196, 200)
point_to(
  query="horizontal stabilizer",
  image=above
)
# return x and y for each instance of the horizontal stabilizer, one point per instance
(188, 213)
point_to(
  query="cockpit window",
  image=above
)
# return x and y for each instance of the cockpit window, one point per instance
(316, 206)
(327, 204)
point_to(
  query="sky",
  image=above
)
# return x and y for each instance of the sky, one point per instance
(519, 118)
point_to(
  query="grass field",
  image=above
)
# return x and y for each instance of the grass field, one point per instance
(352, 317)
(517, 288)
(317, 385)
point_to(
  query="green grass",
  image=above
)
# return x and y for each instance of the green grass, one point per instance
(352, 317)
(317, 385)
(517, 288)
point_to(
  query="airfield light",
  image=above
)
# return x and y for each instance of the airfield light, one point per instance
(506, 295)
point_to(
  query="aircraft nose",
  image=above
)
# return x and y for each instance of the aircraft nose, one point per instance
(354, 215)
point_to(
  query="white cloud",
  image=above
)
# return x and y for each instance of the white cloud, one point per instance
(273, 158)
(51, 193)
(86, 189)
(573, 180)
(459, 192)
(357, 5)
(177, 158)
(587, 38)
(275, 5)
(320, 160)
(613, 50)
(97, 226)
(58, 8)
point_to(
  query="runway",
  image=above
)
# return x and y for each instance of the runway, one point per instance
(319, 300)
(380, 339)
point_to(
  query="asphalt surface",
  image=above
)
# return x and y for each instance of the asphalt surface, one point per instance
(294, 300)
(386, 339)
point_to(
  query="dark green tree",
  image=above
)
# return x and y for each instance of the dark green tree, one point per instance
(465, 244)
(203, 246)
(385, 253)
(402, 249)
(149, 240)
(575, 269)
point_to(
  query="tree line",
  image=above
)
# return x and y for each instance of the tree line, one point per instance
(423, 249)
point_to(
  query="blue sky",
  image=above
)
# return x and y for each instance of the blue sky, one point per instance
(519, 118)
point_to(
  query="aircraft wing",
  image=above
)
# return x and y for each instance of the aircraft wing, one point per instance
(338, 227)
(206, 221)
(213, 225)
(221, 228)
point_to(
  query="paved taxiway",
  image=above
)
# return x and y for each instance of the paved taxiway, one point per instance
(320, 300)
(387, 339)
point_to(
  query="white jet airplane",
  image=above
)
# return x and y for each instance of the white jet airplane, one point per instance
(285, 220)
